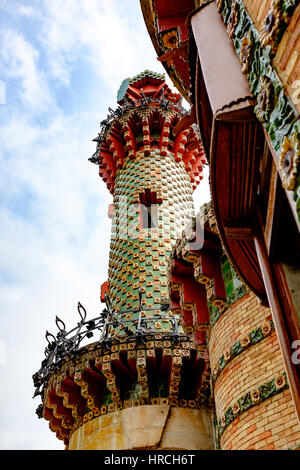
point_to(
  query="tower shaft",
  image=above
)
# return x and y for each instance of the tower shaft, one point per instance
(152, 205)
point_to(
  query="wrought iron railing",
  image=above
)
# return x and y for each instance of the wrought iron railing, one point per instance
(69, 342)
(121, 110)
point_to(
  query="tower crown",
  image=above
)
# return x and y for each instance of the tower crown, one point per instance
(146, 84)
(146, 119)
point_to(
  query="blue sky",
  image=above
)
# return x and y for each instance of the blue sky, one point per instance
(61, 64)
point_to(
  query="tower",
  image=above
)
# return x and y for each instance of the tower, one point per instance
(126, 390)
(151, 174)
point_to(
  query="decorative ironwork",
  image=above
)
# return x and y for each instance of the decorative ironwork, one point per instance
(121, 110)
(66, 342)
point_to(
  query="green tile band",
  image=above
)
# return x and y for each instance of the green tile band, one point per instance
(254, 337)
(251, 398)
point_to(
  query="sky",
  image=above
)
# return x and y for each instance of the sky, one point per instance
(61, 64)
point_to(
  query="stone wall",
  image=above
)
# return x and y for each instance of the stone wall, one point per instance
(146, 427)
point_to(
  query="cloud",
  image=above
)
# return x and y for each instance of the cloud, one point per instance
(19, 10)
(19, 62)
(110, 35)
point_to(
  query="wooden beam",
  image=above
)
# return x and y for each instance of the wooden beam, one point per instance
(289, 194)
(177, 52)
(237, 232)
(283, 334)
(271, 208)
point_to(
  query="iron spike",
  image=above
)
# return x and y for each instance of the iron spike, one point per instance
(82, 315)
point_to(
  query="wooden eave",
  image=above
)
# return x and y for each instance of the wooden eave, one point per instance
(177, 67)
(234, 159)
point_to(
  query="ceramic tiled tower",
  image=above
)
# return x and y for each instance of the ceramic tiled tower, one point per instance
(144, 384)
(152, 198)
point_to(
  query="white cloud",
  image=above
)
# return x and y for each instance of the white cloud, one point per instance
(116, 45)
(18, 9)
(19, 62)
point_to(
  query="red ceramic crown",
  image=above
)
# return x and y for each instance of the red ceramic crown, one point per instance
(146, 118)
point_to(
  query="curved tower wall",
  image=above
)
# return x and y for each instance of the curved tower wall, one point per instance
(139, 257)
(254, 408)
